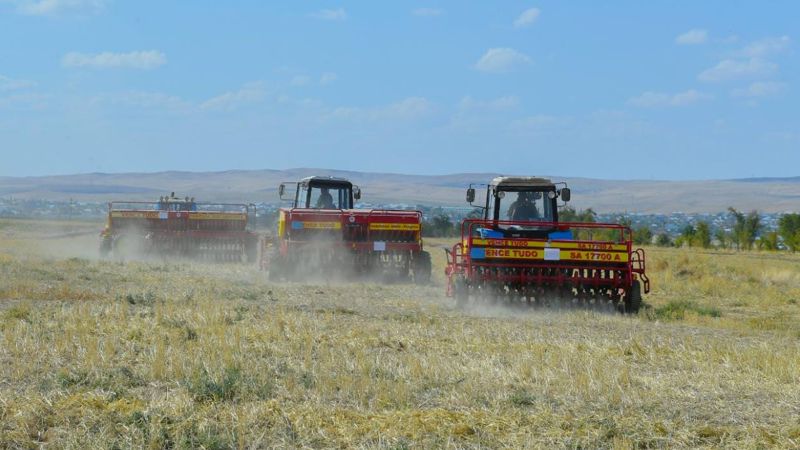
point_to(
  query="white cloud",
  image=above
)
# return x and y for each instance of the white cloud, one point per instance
(540, 123)
(765, 47)
(497, 104)
(249, 93)
(692, 37)
(527, 17)
(107, 60)
(24, 101)
(407, 109)
(731, 69)
(428, 12)
(330, 14)
(148, 100)
(327, 78)
(659, 99)
(499, 60)
(10, 84)
(55, 7)
(759, 89)
(300, 80)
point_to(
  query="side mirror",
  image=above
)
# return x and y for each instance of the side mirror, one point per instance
(565, 194)
(281, 190)
(356, 193)
(470, 195)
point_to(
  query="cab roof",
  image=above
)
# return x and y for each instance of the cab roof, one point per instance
(330, 181)
(521, 182)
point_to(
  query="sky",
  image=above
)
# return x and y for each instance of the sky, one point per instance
(674, 90)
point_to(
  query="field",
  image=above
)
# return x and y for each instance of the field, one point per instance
(163, 354)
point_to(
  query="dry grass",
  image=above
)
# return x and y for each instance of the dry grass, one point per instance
(99, 354)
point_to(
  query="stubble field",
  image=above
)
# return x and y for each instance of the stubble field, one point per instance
(162, 354)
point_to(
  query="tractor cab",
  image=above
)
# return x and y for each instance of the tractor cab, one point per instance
(173, 203)
(321, 193)
(521, 206)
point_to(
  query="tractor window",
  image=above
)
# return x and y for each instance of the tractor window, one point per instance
(525, 206)
(329, 197)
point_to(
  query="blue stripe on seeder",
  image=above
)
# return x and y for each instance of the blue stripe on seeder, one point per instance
(477, 253)
(297, 225)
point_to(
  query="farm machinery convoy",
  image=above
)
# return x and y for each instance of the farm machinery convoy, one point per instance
(321, 234)
(519, 251)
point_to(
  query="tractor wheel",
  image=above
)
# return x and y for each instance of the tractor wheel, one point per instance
(461, 292)
(275, 267)
(105, 248)
(633, 300)
(251, 250)
(422, 268)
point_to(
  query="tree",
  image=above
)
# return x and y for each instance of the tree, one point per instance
(768, 241)
(642, 236)
(702, 235)
(723, 238)
(439, 226)
(745, 229)
(686, 237)
(789, 230)
(663, 240)
(568, 214)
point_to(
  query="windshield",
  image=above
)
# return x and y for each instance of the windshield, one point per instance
(525, 206)
(327, 197)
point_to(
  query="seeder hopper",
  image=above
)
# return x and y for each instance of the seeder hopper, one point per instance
(174, 227)
(519, 252)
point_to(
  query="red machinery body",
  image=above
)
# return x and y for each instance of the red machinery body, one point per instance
(536, 259)
(359, 241)
(215, 232)
(546, 268)
(315, 240)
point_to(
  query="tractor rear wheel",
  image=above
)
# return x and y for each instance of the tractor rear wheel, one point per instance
(275, 272)
(105, 247)
(461, 292)
(422, 268)
(633, 299)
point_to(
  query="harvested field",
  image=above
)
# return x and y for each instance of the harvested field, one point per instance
(176, 354)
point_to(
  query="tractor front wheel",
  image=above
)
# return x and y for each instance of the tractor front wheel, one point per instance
(633, 299)
(422, 268)
(461, 292)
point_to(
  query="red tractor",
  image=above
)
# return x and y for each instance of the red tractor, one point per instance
(180, 227)
(519, 251)
(323, 234)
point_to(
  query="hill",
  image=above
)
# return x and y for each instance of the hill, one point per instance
(642, 196)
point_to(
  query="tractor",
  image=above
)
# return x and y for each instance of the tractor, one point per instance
(518, 252)
(323, 234)
(178, 227)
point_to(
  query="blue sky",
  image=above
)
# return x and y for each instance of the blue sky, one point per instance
(620, 90)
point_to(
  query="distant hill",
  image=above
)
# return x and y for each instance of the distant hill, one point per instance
(636, 196)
